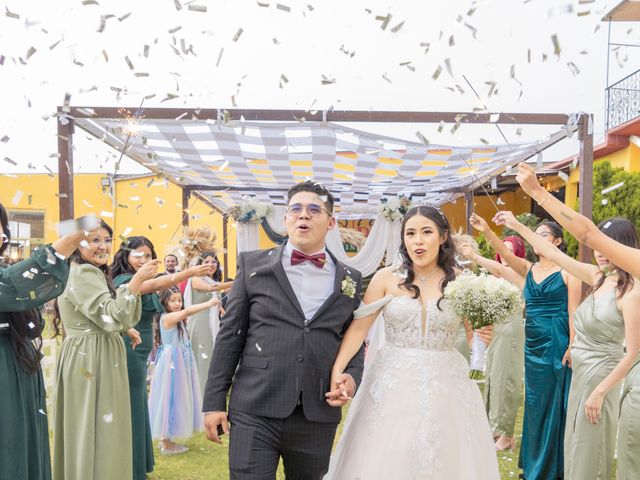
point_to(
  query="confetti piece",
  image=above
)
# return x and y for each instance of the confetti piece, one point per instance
(447, 64)
(397, 28)
(87, 204)
(604, 201)
(4, 139)
(437, 73)
(494, 117)
(263, 5)
(86, 374)
(574, 68)
(563, 176)
(258, 347)
(104, 213)
(441, 126)
(160, 201)
(386, 78)
(89, 2)
(30, 52)
(327, 80)
(385, 21)
(126, 59)
(108, 417)
(556, 44)
(422, 138)
(237, 35)
(16, 198)
(197, 8)
(499, 201)
(282, 7)
(484, 141)
(42, 411)
(11, 14)
(220, 56)
(8, 160)
(612, 188)
(606, 225)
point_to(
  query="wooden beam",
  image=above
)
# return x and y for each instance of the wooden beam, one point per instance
(65, 167)
(391, 116)
(585, 190)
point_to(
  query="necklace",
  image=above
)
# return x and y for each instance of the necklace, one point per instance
(424, 278)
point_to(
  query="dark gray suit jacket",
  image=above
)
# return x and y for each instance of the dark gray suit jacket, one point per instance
(278, 359)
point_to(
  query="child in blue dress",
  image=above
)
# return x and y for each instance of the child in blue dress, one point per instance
(175, 399)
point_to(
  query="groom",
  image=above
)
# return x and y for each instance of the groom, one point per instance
(287, 313)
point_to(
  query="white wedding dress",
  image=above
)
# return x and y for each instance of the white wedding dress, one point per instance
(416, 415)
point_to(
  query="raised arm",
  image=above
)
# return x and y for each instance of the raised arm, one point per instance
(493, 267)
(583, 271)
(585, 231)
(201, 285)
(166, 281)
(171, 319)
(519, 265)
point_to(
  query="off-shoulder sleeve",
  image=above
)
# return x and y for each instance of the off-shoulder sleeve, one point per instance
(88, 291)
(34, 281)
(365, 310)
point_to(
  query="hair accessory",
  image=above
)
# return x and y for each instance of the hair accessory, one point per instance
(436, 208)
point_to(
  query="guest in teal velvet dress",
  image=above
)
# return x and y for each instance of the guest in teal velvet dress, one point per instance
(550, 295)
(24, 287)
(134, 253)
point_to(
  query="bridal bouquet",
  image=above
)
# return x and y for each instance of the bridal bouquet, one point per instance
(394, 209)
(483, 300)
(250, 211)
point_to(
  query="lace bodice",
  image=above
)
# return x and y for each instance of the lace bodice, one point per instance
(409, 324)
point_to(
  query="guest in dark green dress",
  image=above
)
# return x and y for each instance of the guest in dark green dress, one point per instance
(134, 253)
(25, 286)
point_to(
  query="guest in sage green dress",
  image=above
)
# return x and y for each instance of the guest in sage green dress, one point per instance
(505, 355)
(203, 327)
(629, 427)
(24, 287)
(92, 429)
(606, 319)
(131, 256)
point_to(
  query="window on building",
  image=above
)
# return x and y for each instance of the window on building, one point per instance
(27, 232)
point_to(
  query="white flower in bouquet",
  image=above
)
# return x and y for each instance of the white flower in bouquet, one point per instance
(393, 209)
(250, 211)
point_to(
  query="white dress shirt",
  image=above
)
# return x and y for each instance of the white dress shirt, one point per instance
(312, 285)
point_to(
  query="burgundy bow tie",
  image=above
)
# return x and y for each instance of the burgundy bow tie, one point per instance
(319, 259)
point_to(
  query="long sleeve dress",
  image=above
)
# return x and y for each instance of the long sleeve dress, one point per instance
(137, 371)
(92, 433)
(24, 432)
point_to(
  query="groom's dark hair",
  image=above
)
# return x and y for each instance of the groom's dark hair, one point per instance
(313, 187)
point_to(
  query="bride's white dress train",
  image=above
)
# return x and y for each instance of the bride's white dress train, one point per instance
(417, 415)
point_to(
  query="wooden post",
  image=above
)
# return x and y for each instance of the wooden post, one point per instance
(65, 167)
(186, 195)
(468, 205)
(585, 191)
(225, 241)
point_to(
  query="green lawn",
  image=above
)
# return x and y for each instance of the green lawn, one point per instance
(206, 460)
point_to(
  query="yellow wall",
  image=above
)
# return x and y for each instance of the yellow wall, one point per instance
(146, 205)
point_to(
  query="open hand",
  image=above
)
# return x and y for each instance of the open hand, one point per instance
(201, 270)
(149, 270)
(342, 389)
(593, 406)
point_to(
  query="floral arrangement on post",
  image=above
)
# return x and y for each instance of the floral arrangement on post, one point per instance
(394, 209)
(250, 211)
(482, 300)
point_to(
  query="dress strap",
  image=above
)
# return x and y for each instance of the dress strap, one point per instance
(365, 310)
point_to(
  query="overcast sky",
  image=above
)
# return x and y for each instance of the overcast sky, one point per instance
(276, 55)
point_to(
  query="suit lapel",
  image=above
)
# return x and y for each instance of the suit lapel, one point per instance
(283, 280)
(337, 287)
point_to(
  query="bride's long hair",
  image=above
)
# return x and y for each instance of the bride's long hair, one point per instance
(446, 254)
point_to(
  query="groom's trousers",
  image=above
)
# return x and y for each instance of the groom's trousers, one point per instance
(257, 443)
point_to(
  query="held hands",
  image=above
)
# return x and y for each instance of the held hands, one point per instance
(342, 389)
(213, 422)
(134, 335)
(478, 223)
(149, 270)
(507, 219)
(593, 406)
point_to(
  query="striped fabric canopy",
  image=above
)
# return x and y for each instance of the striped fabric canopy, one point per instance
(227, 162)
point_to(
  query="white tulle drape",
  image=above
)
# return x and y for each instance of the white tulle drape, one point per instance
(248, 236)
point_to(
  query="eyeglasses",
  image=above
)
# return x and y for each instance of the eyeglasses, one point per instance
(313, 210)
(106, 242)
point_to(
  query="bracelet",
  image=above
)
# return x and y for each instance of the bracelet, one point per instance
(544, 200)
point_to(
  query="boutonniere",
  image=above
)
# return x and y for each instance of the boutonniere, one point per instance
(349, 287)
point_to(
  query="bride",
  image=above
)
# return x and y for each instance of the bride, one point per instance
(417, 414)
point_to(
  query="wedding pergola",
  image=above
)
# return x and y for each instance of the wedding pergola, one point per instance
(227, 155)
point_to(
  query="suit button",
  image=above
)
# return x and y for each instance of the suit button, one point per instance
(299, 358)
(307, 329)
